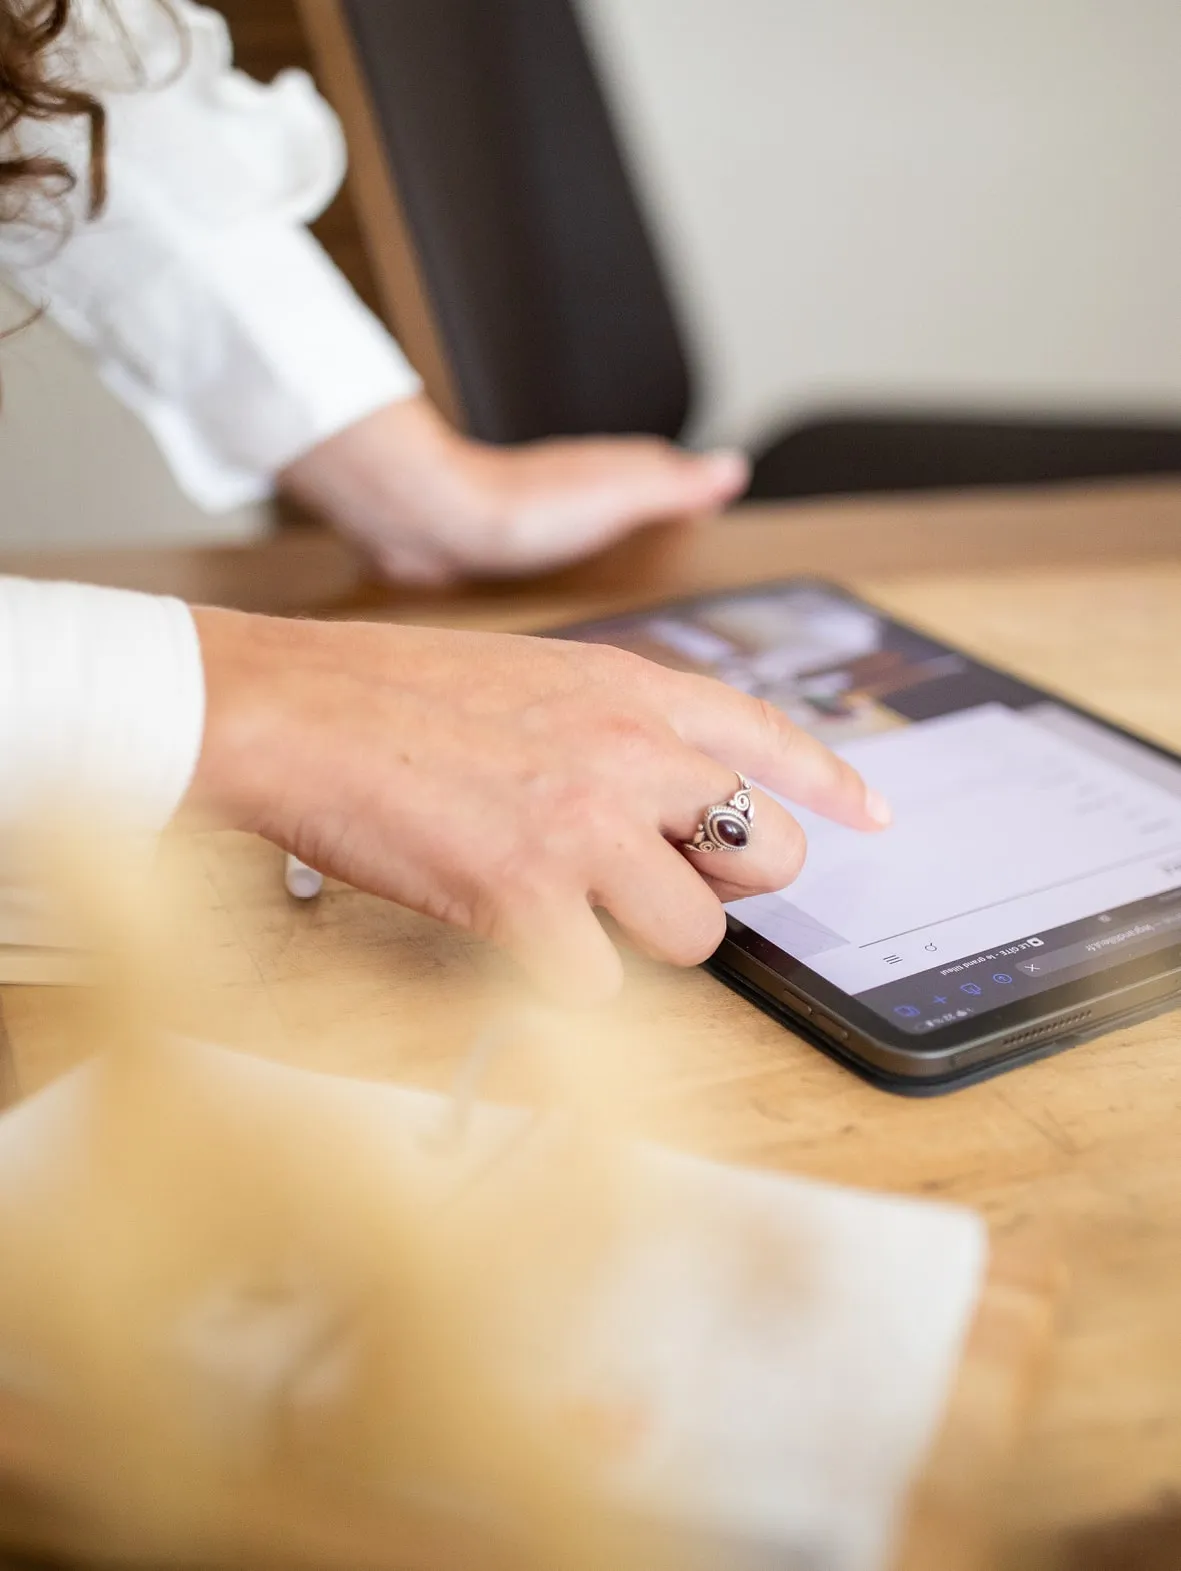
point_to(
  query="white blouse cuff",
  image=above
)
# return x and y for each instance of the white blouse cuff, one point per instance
(290, 357)
(102, 702)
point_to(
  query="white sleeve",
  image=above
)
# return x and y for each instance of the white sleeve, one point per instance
(102, 701)
(209, 307)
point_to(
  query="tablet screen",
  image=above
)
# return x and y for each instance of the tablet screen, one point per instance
(1032, 844)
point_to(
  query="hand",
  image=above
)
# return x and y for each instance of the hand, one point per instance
(428, 506)
(508, 785)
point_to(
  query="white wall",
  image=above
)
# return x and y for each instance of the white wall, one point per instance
(912, 198)
(76, 469)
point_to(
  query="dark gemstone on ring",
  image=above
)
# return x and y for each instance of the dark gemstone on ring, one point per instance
(732, 832)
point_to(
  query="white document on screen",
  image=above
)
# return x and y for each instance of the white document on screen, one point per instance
(1004, 825)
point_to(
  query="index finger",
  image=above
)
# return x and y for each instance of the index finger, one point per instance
(754, 738)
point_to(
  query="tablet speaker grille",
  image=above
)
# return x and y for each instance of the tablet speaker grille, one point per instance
(1052, 1028)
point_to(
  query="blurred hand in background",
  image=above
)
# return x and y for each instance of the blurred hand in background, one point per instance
(428, 505)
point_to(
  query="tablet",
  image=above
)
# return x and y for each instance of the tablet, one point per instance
(1029, 893)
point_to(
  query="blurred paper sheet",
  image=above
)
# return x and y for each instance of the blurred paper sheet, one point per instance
(792, 1344)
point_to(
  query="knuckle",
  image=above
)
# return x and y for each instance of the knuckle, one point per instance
(793, 854)
(849, 778)
(573, 824)
(458, 910)
(624, 671)
(621, 743)
(490, 909)
(489, 918)
(609, 664)
(772, 722)
(605, 829)
(522, 888)
(613, 659)
(510, 915)
(559, 803)
(509, 891)
(630, 730)
(694, 939)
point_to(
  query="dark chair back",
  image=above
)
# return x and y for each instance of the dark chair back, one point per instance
(901, 451)
(547, 296)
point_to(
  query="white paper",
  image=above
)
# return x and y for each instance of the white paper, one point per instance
(796, 1422)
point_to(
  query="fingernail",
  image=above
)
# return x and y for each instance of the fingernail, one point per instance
(879, 809)
(731, 462)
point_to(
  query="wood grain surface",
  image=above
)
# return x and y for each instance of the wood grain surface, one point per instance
(1079, 1156)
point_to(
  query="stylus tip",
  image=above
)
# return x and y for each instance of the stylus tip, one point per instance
(303, 883)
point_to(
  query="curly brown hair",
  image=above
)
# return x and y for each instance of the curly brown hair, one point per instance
(31, 89)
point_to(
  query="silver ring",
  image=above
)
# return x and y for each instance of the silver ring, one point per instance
(728, 826)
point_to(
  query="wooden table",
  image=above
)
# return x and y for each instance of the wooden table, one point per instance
(1077, 590)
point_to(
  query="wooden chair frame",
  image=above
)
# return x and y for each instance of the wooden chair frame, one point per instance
(393, 256)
